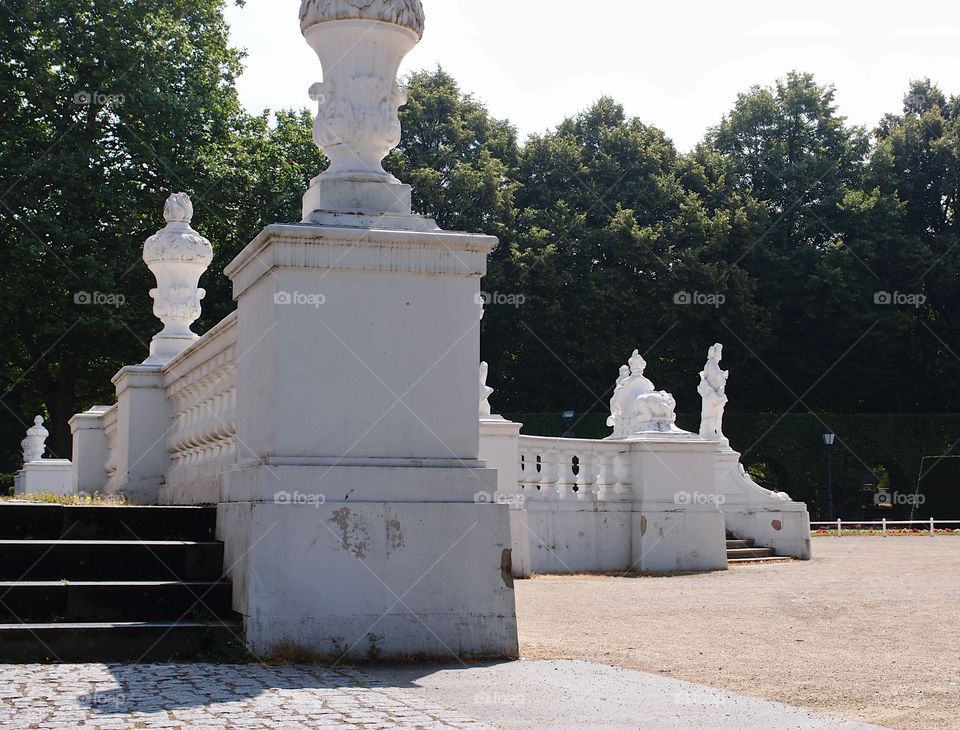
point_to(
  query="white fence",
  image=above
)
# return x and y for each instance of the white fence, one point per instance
(884, 524)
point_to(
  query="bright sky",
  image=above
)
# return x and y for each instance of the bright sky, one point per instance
(678, 64)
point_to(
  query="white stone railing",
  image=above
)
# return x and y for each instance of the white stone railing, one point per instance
(109, 420)
(201, 387)
(573, 469)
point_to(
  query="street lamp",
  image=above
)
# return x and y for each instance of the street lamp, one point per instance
(829, 436)
(568, 417)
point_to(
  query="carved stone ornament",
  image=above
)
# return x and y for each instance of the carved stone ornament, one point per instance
(712, 389)
(637, 407)
(406, 13)
(35, 444)
(485, 390)
(177, 255)
(360, 44)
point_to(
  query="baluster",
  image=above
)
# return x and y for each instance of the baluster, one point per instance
(528, 474)
(587, 479)
(622, 478)
(548, 474)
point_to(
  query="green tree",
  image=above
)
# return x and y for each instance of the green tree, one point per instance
(820, 260)
(99, 127)
(917, 159)
(460, 161)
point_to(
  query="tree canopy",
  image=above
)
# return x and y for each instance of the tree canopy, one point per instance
(823, 254)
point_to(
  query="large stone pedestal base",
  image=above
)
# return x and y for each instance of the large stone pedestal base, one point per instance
(667, 539)
(588, 537)
(345, 571)
(48, 476)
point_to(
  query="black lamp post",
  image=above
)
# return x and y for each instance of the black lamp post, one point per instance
(828, 438)
(568, 418)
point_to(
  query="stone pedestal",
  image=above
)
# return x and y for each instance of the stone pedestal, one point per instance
(350, 522)
(678, 524)
(89, 450)
(144, 419)
(499, 449)
(48, 476)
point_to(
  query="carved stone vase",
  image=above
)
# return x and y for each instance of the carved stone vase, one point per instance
(177, 255)
(360, 44)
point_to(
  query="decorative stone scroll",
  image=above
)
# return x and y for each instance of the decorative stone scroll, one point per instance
(177, 255)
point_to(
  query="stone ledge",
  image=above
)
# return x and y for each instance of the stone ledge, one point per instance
(300, 246)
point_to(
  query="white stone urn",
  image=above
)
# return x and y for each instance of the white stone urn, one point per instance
(361, 44)
(177, 255)
(35, 444)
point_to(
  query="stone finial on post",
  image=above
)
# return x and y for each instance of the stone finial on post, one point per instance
(357, 123)
(35, 444)
(177, 255)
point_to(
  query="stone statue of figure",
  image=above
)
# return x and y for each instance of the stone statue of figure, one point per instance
(35, 444)
(712, 388)
(485, 390)
(636, 406)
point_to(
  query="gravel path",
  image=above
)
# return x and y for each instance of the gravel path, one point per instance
(870, 629)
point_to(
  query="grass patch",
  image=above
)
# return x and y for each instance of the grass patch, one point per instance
(71, 500)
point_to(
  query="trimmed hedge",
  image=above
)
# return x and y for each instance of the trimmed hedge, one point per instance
(790, 453)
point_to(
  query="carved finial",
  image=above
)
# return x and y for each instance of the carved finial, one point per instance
(178, 209)
(34, 445)
(177, 255)
(485, 390)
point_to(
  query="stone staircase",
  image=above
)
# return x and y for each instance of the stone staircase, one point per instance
(744, 551)
(99, 584)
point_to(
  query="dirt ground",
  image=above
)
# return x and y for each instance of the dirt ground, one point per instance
(869, 629)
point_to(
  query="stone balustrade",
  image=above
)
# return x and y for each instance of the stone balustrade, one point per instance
(581, 470)
(201, 386)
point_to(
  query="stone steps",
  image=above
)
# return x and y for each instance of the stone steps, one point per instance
(770, 559)
(745, 551)
(97, 584)
(107, 601)
(20, 521)
(112, 642)
(111, 560)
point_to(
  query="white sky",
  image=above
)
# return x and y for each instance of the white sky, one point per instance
(677, 64)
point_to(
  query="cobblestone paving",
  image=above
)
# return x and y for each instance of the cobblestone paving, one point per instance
(209, 697)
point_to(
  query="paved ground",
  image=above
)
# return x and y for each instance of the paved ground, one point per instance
(869, 629)
(540, 695)
(511, 696)
(195, 696)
